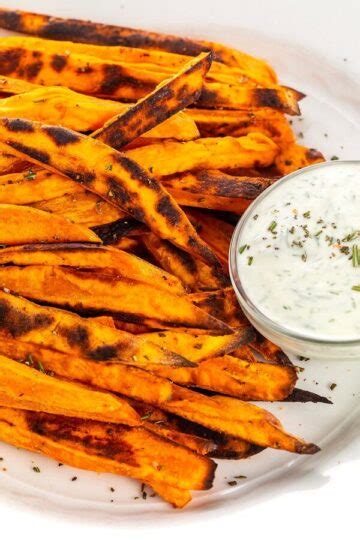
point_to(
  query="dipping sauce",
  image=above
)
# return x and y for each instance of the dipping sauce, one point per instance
(298, 256)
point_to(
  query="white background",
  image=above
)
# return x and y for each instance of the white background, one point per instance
(331, 509)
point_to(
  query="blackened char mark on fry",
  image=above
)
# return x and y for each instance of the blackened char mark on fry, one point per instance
(33, 153)
(115, 76)
(107, 443)
(19, 124)
(58, 62)
(9, 61)
(111, 233)
(268, 97)
(305, 396)
(18, 323)
(225, 185)
(78, 337)
(166, 208)
(61, 136)
(206, 254)
(103, 353)
(33, 69)
(138, 173)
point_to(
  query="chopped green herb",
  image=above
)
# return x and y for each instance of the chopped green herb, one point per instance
(250, 260)
(272, 226)
(36, 469)
(242, 249)
(108, 167)
(232, 483)
(240, 477)
(307, 214)
(356, 288)
(30, 175)
(146, 416)
(333, 386)
(355, 255)
(334, 158)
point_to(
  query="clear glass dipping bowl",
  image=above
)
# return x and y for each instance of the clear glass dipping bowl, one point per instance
(291, 341)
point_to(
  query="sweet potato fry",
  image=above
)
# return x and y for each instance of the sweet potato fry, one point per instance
(33, 185)
(112, 175)
(198, 348)
(89, 256)
(178, 498)
(221, 304)
(268, 350)
(234, 123)
(25, 388)
(24, 225)
(70, 333)
(215, 190)
(101, 34)
(104, 447)
(9, 162)
(251, 381)
(294, 157)
(229, 96)
(103, 292)
(168, 98)
(193, 273)
(171, 157)
(84, 208)
(60, 105)
(128, 82)
(232, 417)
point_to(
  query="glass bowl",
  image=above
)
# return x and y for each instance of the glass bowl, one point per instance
(291, 341)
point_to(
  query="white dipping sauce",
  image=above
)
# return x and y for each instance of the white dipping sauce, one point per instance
(299, 256)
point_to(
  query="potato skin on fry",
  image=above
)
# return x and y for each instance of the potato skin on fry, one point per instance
(113, 176)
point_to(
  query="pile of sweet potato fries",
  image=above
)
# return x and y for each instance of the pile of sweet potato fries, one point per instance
(126, 157)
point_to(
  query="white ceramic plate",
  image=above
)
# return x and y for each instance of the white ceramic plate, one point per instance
(331, 123)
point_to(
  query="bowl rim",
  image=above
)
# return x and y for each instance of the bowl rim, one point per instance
(244, 300)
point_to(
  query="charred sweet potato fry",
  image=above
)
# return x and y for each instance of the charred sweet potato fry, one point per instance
(60, 105)
(193, 273)
(24, 225)
(101, 292)
(89, 256)
(9, 162)
(168, 98)
(215, 190)
(230, 416)
(104, 447)
(171, 157)
(111, 234)
(219, 123)
(70, 333)
(129, 82)
(294, 157)
(25, 388)
(251, 381)
(102, 34)
(112, 175)
(222, 304)
(198, 348)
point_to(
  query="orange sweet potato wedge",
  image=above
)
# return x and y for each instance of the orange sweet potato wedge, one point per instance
(72, 334)
(102, 292)
(88, 256)
(25, 388)
(24, 225)
(104, 447)
(230, 416)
